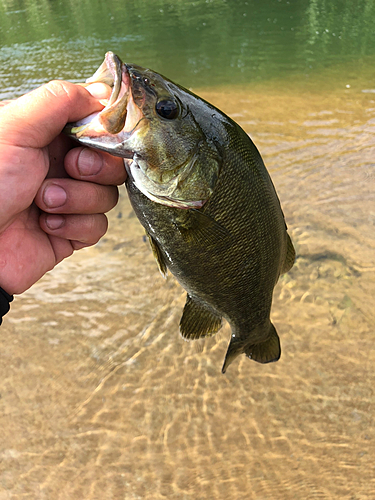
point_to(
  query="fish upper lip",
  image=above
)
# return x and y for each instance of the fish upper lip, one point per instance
(114, 66)
(114, 72)
(118, 71)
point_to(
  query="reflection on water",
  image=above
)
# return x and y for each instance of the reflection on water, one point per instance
(199, 42)
(101, 398)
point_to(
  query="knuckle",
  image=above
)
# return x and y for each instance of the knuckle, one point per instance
(113, 197)
(105, 198)
(95, 227)
(60, 89)
(99, 227)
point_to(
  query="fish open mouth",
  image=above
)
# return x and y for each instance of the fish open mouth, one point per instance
(115, 73)
(103, 130)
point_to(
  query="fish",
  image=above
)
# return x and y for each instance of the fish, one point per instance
(200, 189)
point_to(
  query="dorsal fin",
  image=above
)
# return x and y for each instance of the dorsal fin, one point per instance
(289, 257)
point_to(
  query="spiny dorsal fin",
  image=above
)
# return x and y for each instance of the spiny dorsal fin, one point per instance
(198, 320)
(290, 256)
(158, 256)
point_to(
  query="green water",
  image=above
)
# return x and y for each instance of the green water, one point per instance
(199, 43)
(100, 396)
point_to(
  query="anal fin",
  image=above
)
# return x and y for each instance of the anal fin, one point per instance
(198, 320)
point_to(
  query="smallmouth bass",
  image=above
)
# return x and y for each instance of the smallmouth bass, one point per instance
(199, 187)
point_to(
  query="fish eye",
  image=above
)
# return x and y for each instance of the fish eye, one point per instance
(167, 109)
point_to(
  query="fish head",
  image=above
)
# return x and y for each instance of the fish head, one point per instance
(149, 122)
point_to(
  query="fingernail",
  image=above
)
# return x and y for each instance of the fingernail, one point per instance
(54, 221)
(54, 196)
(99, 90)
(89, 162)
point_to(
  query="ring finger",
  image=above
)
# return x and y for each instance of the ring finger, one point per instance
(86, 230)
(68, 196)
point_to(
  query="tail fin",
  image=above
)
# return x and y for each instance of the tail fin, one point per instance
(267, 351)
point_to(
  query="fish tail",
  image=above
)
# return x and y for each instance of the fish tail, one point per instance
(267, 351)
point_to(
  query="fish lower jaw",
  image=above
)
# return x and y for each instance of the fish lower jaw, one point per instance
(171, 202)
(152, 191)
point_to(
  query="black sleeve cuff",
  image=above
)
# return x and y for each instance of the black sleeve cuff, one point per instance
(5, 300)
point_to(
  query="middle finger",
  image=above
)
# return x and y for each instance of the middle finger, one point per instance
(69, 196)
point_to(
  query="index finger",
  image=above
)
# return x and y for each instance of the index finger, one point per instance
(35, 119)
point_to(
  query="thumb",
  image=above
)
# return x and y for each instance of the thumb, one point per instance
(36, 118)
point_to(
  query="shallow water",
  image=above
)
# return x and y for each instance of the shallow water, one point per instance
(101, 396)
(102, 399)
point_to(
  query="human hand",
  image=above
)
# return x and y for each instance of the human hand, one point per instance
(52, 197)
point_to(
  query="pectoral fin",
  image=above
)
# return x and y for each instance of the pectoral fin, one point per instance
(196, 226)
(198, 320)
(158, 256)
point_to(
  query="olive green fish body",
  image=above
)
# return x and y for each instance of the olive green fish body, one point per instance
(230, 262)
(199, 187)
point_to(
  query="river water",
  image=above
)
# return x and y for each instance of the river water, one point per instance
(100, 396)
